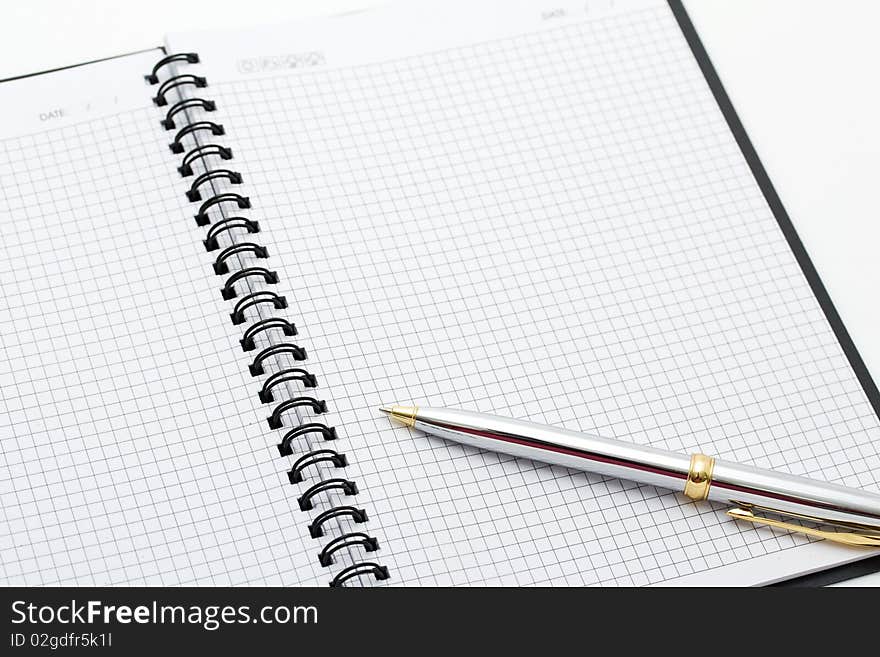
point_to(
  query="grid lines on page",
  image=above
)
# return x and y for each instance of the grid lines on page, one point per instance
(132, 452)
(555, 226)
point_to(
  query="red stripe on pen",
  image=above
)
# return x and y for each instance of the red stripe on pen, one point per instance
(590, 456)
(788, 498)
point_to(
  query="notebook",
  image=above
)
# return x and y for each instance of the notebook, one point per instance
(213, 276)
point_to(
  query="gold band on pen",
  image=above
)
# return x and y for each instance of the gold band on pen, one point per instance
(699, 478)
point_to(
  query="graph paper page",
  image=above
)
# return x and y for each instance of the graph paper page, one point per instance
(539, 213)
(131, 449)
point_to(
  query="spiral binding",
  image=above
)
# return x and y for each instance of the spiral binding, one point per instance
(223, 234)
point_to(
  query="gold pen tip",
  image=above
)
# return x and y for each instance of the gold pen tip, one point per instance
(404, 414)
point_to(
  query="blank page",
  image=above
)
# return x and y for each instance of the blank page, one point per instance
(541, 214)
(131, 449)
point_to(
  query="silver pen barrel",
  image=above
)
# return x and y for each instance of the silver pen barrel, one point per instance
(809, 499)
(697, 476)
(547, 444)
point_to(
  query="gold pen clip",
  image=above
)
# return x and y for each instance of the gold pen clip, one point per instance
(852, 539)
(699, 482)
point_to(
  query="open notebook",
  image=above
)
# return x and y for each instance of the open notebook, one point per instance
(536, 211)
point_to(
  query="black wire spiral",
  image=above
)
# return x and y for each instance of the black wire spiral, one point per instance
(228, 263)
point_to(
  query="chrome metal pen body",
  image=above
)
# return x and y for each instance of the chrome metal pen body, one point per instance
(698, 476)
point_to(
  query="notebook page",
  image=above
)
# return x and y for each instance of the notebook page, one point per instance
(131, 451)
(540, 213)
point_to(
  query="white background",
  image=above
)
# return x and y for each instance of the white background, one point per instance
(801, 74)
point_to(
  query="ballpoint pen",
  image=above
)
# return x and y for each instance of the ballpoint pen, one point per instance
(749, 491)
